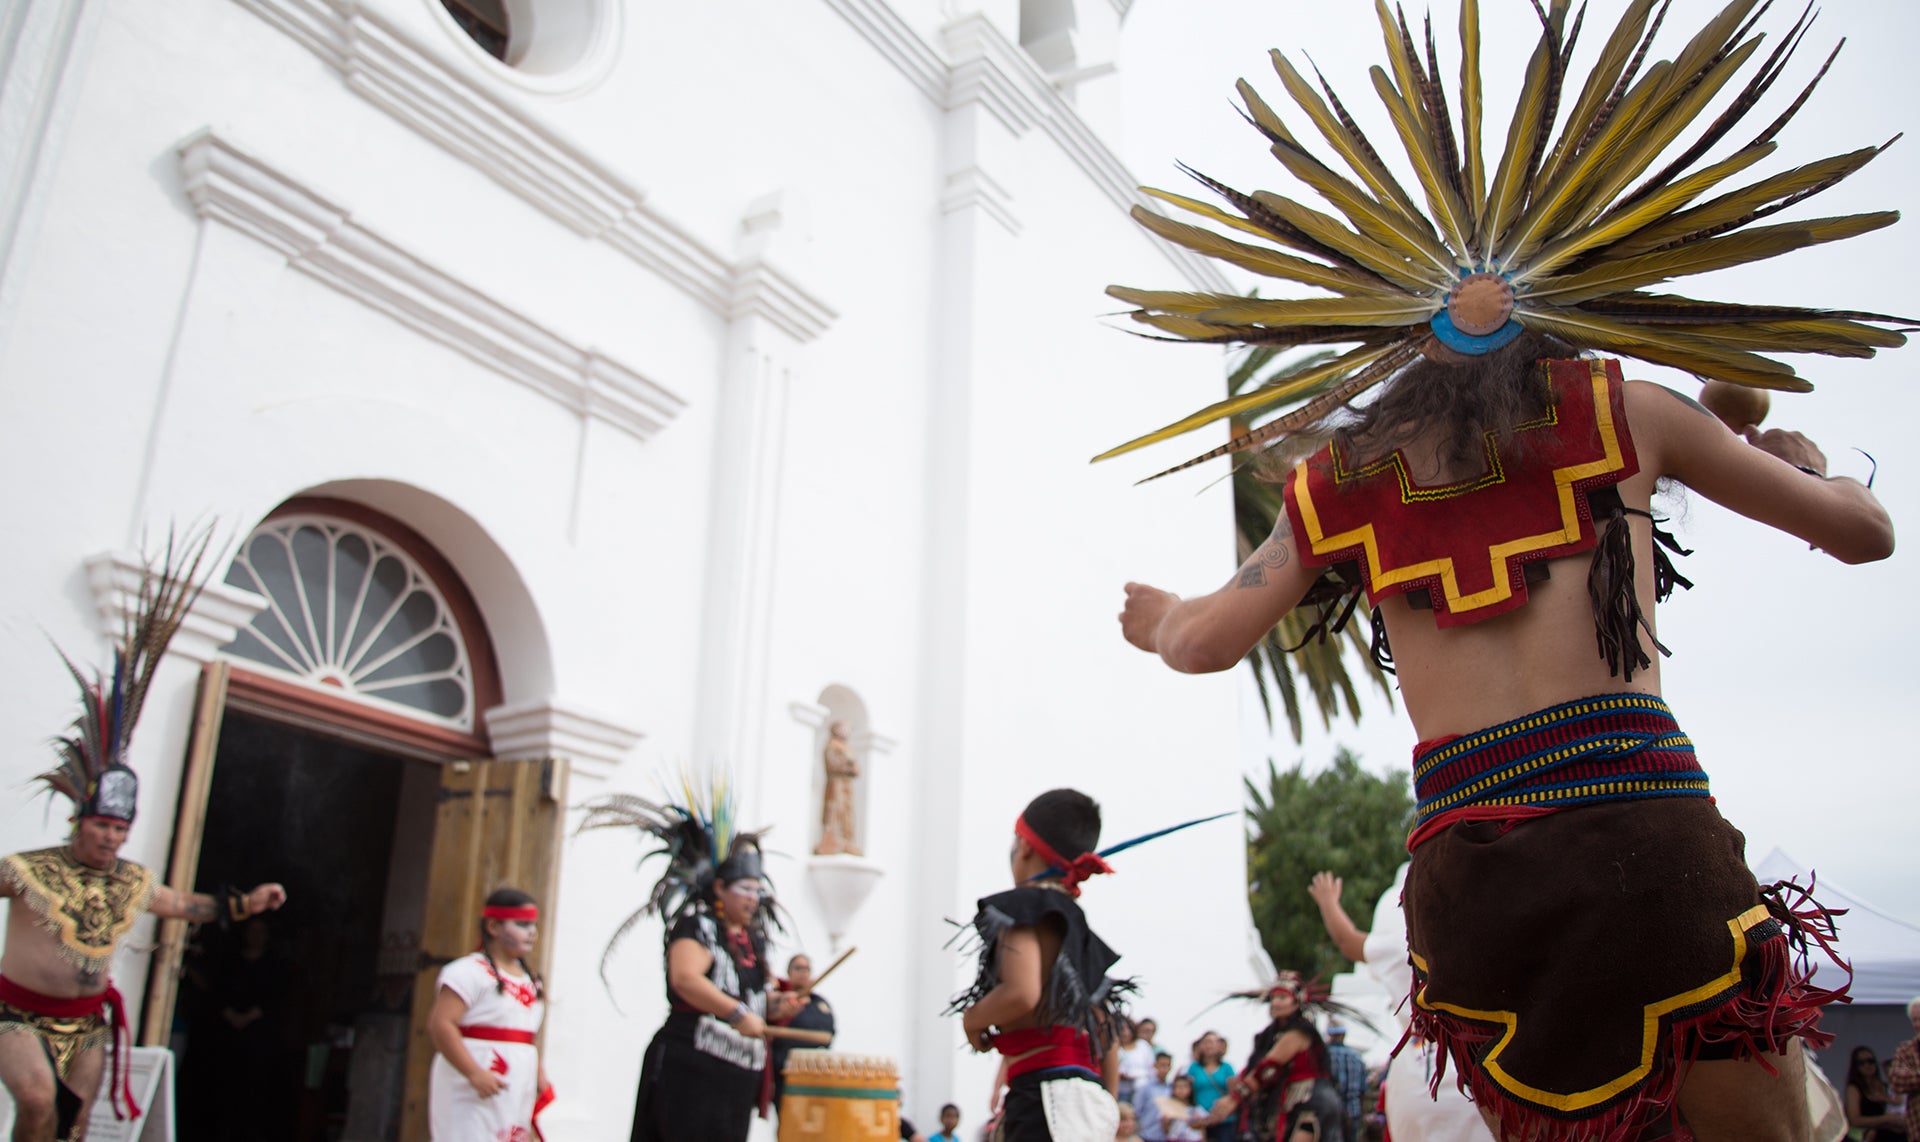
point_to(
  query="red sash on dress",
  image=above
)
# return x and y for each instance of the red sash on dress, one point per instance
(497, 1034)
(1050, 1046)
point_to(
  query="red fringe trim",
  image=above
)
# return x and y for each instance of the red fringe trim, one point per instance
(1776, 1002)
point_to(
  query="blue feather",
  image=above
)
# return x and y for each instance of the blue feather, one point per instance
(1142, 839)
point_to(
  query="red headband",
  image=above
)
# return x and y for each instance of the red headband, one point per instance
(1076, 870)
(526, 912)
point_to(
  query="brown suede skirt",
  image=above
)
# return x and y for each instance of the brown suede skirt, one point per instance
(1571, 965)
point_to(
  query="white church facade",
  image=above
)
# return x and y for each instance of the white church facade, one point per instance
(590, 390)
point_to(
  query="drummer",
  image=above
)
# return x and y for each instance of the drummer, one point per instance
(814, 1013)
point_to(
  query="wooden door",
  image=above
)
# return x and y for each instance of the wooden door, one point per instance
(163, 975)
(496, 823)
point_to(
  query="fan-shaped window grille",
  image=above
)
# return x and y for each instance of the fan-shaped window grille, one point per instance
(348, 609)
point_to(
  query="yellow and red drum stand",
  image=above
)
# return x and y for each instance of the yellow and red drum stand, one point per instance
(834, 1097)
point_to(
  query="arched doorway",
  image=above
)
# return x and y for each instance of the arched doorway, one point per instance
(339, 748)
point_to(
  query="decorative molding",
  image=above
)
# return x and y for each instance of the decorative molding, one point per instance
(454, 110)
(810, 714)
(897, 43)
(972, 187)
(594, 742)
(215, 619)
(319, 238)
(865, 742)
(760, 290)
(980, 65)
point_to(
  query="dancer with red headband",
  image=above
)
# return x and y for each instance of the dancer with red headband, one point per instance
(1042, 997)
(487, 1082)
(72, 904)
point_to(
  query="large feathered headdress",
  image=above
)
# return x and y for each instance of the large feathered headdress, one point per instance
(1563, 236)
(701, 842)
(92, 771)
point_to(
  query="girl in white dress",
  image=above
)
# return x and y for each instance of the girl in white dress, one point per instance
(487, 1082)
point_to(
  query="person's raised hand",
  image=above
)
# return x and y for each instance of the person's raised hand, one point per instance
(265, 898)
(1140, 618)
(1325, 889)
(1793, 447)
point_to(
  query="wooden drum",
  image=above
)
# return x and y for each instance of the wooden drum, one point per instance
(834, 1097)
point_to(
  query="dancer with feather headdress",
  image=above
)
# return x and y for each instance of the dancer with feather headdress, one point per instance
(1589, 948)
(706, 1068)
(73, 903)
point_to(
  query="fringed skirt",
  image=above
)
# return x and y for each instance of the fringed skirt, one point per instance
(1570, 962)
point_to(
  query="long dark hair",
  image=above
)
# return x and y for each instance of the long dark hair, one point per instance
(508, 898)
(1456, 405)
(1874, 1085)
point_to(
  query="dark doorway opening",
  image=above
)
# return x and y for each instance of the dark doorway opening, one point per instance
(294, 1026)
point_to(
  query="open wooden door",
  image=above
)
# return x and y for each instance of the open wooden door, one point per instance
(163, 977)
(496, 823)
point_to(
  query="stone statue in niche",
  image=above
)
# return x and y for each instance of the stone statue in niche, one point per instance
(837, 830)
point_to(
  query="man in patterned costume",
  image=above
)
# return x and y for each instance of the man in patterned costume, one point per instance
(70, 905)
(1589, 950)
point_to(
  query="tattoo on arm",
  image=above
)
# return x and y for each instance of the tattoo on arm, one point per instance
(198, 909)
(1688, 401)
(1269, 556)
(1253, 575)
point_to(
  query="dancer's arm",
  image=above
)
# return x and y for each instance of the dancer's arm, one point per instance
(443, 1029)
(1017, 963)
(1347, 935)
(1213, 632)
(199, 908)
(688, 962)
(1759, 475)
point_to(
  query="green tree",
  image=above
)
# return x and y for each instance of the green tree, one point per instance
(1290, 653)
(1344, 819)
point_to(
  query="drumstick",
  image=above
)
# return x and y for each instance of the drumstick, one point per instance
(797, 1035)
(808, 990)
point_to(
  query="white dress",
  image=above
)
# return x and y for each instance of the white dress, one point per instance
(1413, 1115)
(457, 1114)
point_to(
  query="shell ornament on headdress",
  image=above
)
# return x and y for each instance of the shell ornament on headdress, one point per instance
(701, 843)
(1563, 235)
(92, 771)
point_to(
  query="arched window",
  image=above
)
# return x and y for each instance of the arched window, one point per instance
(353, 609)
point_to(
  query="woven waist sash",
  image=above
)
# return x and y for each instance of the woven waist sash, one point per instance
(1615, 747)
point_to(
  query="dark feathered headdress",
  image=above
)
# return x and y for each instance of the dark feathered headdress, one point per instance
(1565, 236)
(92, 771)
(701, 842)
(1313, 995)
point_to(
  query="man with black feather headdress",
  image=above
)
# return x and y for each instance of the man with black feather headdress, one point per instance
(706, 1069)
(72, 904)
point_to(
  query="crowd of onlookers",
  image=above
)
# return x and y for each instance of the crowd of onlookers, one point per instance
(1162, 1095)
(1883, 1105)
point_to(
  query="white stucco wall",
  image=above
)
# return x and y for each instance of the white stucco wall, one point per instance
(910, 516)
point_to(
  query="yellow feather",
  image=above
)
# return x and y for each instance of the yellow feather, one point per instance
(1327, 230)
(1626, 220)
(1335, 132)
(1173, 301)
(1263, 114)
(1449, 213)
(1209, 210)
(1376, 312)
(1470, 108)
(1676, 350)
(1701, 257)
(1375, 219)
(1601, 81)
(1404, 66)
(1510, 179)
(1253, 402)
(1270, 263)
(1738, 204)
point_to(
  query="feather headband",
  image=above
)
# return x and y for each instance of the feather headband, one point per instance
(1563, 235)
(109, 708)
(699, 838)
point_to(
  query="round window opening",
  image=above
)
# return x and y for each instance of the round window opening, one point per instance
(544, 42)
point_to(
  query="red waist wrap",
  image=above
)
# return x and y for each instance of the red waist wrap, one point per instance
(1044, 1048)
(80, 1007)
(497, 1034)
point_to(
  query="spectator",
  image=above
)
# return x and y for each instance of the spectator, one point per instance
(1146, 1106)
(807, 1012)
(1867, 1100)
(1129, 1126)
(1177, 1111)
(1349, 1071)
(908, 1133)
(1903, 1073)
(949, 1125)
(1136, 1058)
(1211, 1073)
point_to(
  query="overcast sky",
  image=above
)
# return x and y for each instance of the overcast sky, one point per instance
(1792, 672)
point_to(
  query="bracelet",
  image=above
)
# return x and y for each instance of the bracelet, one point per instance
(740, 1012)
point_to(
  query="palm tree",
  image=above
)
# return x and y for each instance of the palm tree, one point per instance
(1300, 646)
